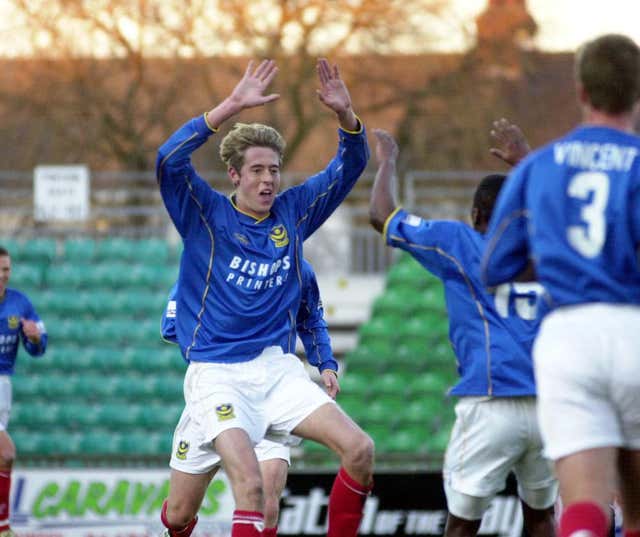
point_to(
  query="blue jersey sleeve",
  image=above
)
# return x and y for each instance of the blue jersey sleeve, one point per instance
(312, 328)
(34, 349)
(317, 198)
(507, 251)
(433, 243)
(168, 321)
(185, 194)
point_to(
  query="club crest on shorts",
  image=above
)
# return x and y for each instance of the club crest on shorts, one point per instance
(181, 451)
(13, 321)
(225, 412)
(279, 235)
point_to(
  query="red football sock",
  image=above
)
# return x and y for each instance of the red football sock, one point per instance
(345, 505)
(174, 532)
(584, 517)
(5, 487)
(247, 524)
(272, 532)
(628, 533)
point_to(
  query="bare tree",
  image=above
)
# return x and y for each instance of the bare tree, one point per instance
(109, 78)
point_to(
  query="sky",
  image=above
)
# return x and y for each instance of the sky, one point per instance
(563, 24)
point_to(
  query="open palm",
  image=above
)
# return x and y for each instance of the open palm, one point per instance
(333, 91)
(249, 92)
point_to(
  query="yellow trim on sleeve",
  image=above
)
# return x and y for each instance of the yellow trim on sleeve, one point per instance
(386, 222)
(207, 122)
(355, 132)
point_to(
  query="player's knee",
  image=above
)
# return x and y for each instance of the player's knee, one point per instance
(180, 513)
(361, 452)
(250, 488)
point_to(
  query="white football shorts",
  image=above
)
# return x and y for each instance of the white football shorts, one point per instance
(587, 362)
(490, 438)
(267, 397)
(5, 401)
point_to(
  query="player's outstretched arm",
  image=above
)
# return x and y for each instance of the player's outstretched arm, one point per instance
(333, 93)
(248, 93)
(383, 202)
(511, 146)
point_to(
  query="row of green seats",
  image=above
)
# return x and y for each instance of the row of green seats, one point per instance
(98, 388)
(411, 354)
(109, 331)
(403, 383)
(427, 325)
(86, 250)
(75, 416)
(99, 303)
(96, 443)
(111, 275)
(401, 301)
(64, 358)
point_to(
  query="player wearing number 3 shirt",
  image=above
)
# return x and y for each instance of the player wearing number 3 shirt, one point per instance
(495, 430)
(572, 208)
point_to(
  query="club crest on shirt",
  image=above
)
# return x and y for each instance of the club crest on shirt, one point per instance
(225, 412)
(279, 235)
(13, 321)
(182, 449)
(242, 239)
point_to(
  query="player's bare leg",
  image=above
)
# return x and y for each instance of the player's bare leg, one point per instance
(274, 478)
(459, 527)
(629, 468)
(7, 456)
(539, 522)
(588, 480)
(186, 492)
(241, 466)
(330, 426)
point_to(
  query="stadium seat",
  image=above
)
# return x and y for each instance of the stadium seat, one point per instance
(427, 384)
(116, 249)
(99, 443)
(152, 251)
(119, 416)
(39, 250)
(380, 328)
(160, 416)
(75, 415)
(406, 441)
(26, 276)
(355, 383)
(79, 250)
(391, 383)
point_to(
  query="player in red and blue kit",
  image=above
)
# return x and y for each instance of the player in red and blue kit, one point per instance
(572, 210)
(240, 287)
(19, 322)
(495, 430)
(274, 458)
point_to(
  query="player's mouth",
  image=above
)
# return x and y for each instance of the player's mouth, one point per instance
(266, 195)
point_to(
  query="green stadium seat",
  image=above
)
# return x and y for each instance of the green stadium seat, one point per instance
(156, 358)
(102, 303)
(391, 383)
(354, 405)
(116, 249)
(408, 274)
(59, 386)
(383, 327)
(66, 275)
(99, 443)
(369, 356)
(119, 416)
(27, 441)
(355, 383)
(160, 416)
(79, 250)
(141, 443)
(39, 250)
(77, 415)
(35, 415)
(169, 387)
(406, 441)
(26, 276)
(152, 251)
(96, 387)
(384, 410)
(437, 443)
(26, 387)
(428, 384)
(135, 388)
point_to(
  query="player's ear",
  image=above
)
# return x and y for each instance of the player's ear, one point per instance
(234, 176)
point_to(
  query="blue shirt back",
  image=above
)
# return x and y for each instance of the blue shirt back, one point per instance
(13, 307)
(310, 324)
(491, 334)
(573, 208)
(240, 278)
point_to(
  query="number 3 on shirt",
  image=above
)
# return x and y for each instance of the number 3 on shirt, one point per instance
(589, 240)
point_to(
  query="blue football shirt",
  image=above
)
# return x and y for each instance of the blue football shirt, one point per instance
(573, 209)
(14, 307)
(240, 277)
(310, 323)
(491, 333)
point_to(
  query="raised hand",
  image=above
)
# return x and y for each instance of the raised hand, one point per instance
(331, 384)
(249, 92)
(386, 146)
(333, 93)
(511, 145)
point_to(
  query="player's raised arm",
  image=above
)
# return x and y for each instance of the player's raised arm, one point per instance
(333, 93)
(185, 194)
(383, 203)
(511, 146)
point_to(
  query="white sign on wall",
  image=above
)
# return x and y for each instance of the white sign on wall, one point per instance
(61, 193)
